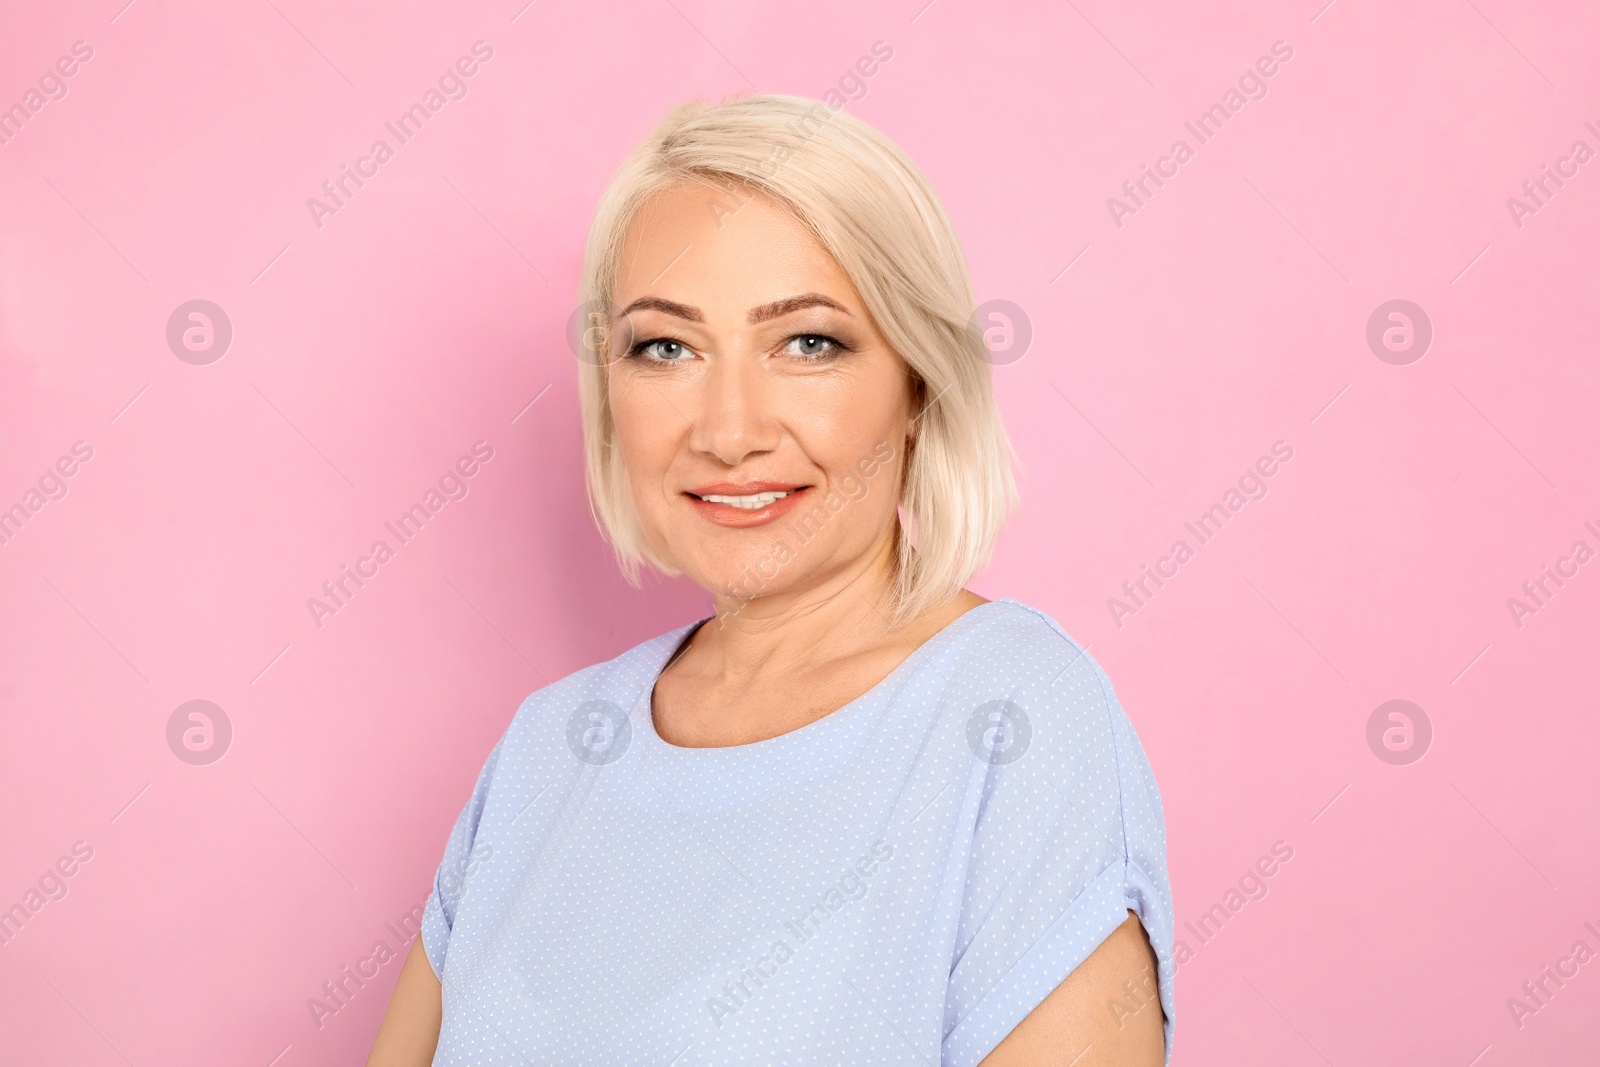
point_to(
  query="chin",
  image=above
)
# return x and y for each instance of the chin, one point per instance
(743, 579)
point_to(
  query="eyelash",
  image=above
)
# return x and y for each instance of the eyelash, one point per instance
(836, 347)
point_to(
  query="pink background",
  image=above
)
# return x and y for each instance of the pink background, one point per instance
(368, 354)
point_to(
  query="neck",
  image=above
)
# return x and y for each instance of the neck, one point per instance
(842, 612)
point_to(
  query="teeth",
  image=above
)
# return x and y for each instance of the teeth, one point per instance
(754, 501)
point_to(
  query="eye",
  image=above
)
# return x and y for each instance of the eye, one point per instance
(661, 350)
(812, 346)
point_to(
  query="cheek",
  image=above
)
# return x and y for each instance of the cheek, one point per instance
(845, 426)
(647, 435)
(635, 409)
(869, 396)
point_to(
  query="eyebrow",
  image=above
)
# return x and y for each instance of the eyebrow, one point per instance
(794, 303)
(776, 309)
(669, 307)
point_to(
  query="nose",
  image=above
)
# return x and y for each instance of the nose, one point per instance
(737, 415)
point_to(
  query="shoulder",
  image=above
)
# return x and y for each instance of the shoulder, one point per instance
(1043, 708)
(1024, 650)
(612, 678)
(1067, 832)
(610, 688)
(618, 680)
(1079, 682)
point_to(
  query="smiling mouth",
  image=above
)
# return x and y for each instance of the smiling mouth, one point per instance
(750, 501)
(747, 505)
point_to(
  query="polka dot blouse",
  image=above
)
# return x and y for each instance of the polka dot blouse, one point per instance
(899, 882)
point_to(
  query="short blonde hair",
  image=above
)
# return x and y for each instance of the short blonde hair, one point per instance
(875, 213)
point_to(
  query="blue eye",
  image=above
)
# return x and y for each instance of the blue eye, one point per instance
(662, 350)
(812, 346)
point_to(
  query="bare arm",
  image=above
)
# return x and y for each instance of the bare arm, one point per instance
(410, 1028)
(1109, 1004)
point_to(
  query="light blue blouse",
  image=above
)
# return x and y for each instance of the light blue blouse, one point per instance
(901, 881)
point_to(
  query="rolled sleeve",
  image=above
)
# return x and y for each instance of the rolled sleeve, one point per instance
(461, 853)
(1066, 847)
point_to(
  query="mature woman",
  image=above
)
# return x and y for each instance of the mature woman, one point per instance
(860, 814)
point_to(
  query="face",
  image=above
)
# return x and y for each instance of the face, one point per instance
(761, 416)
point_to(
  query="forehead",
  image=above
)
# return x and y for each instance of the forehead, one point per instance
(711, 249)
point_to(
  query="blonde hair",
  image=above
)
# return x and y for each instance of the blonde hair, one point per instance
(875, 213)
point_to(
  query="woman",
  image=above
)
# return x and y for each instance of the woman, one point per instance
(865, 815)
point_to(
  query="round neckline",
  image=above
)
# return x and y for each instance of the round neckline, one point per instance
(644, 704)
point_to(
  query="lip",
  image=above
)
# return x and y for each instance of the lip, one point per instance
(744, 488)
(742, 518)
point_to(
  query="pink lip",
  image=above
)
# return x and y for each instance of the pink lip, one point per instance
(742, 518)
